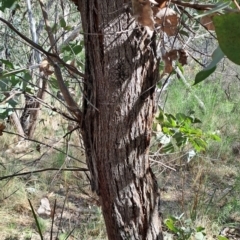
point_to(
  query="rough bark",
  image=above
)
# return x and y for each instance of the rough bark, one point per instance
(119, 104)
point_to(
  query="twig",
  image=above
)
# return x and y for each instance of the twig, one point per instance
(152, 160)
(237, 5)
(9, 96)
(45, 170)
(61, 216)
(45, 144)
(52, 215)
(199, 6)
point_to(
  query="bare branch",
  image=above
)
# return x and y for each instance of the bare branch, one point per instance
(44, 144)
(45, 170)
(71, 104)
(198, 6)
(237, 5)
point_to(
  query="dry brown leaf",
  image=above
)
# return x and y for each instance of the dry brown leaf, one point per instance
(161, 3)
(182, 57)
(46, 68)
(167, 63)
(2, 127)
(168, 20)
(168, 66)
(143, 14)
(206, 21)
(173, 55)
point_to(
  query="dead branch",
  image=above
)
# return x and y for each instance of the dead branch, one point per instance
(45, 170)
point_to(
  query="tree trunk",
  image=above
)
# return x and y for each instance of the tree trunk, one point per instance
(119, 105)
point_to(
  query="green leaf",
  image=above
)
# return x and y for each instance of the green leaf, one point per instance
(180, 138)
(170, 224)
(221, 238)
(200, 229)
(196, 120)
(5, 111)
(12, 73)
(203, 75)
(215, 137)
(169, 148)
(218, 8)
(199, 144)
(8, 4)
(184, 33)
(63, 23)
(77, 49)
(7, 63)
(217, 56)
(166, 130)
(228, 34)
(171, 120)
(72, 48)
(160, 117)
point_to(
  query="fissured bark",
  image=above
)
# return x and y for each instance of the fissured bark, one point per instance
(119, 105)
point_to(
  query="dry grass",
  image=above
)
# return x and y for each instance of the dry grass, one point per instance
(76, 207)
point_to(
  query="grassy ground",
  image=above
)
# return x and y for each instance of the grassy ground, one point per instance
(205, 190)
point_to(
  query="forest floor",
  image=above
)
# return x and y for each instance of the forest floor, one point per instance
(204, 192)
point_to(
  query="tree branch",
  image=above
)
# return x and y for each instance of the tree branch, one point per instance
(237, 5)
(45, 170)
(71, 104)
(198, 6)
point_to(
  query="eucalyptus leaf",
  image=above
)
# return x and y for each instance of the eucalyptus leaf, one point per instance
(217, 56)
(8, 74)
(7, 63)
(228, 34)
(219, 7)
(203, 75)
